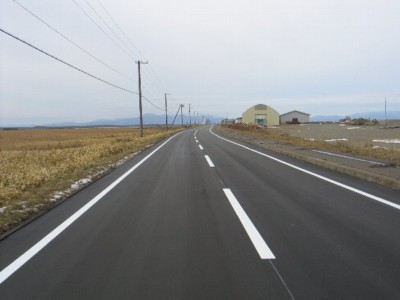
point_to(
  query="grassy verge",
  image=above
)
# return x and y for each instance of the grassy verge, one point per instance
(36, 164)
(280, 135)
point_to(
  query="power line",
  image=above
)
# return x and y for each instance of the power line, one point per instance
(108, 26)
(72, 42)
(157, 82)
(119, 28)
(66, 63)
(152, 76)
(152, 103)
(98, 26)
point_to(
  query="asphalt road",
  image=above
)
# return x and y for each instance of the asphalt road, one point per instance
(234, 225)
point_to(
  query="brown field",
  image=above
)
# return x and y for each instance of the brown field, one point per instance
(35, 164)
(356, 140)
(370, 136)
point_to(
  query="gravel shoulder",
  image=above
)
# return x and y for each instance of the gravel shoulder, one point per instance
(370, 169)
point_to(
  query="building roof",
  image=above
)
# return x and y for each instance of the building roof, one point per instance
(300, 112)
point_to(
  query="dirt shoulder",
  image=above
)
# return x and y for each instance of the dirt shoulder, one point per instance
(371, 169)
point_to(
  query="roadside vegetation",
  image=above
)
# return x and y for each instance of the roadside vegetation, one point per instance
(281, 135)
(36, 166)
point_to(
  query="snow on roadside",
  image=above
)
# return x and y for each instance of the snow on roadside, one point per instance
(336, 140)
(2, 209)
(75, 186)
(394, 141)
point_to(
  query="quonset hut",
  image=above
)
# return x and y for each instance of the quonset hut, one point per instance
(261, 115)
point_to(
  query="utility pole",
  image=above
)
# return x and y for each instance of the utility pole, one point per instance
(166, 112)
(190, 118)
(182, 106)
(385, 115)
(140, 96)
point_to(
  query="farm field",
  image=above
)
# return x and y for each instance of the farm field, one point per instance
(367, 141)
(371, 136)
(39, 167)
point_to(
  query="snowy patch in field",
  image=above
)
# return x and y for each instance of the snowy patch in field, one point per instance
(310, 139)
(336, 140)
(2, 209)
(342, 125)
(350, 128)
(379, 147)
(395, 141)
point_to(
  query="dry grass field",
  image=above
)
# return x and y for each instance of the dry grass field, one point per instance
(36, 164)
(366, 141)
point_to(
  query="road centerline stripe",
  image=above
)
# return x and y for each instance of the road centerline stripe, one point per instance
(347, 187)
(201, 147)
(209, 161)
(261, 246)
(21, 260)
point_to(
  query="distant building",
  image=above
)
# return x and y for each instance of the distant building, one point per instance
(261, 115)
(294, 117)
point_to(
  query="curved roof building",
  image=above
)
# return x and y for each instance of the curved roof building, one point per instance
(261, 114)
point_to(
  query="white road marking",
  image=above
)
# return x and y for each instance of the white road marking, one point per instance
(261, 246)
(209, 161)
(197, 141)
(348, 157)
(20, 261)
(376, 198)
(201, 147)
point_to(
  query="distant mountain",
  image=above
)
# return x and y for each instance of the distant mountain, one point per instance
(148, 119)
(369, 115)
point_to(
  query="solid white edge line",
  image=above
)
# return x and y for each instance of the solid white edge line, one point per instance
(376, 198)
(201, 147)
(348, 157)
(209, 161)
(261, 246)
(20, 261)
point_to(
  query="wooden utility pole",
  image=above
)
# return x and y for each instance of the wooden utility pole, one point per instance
(190, 117)
(182, 106)
(166, 112)
(140, 96)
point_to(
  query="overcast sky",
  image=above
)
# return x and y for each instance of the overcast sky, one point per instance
(322, 57)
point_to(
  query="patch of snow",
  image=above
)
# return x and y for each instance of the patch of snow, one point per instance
(350, 128)
(379, 147)
(84, 181)
(342, 125)
(80, 183)
(336, 140)
(395, 141)
(2, 209)
(310, 139)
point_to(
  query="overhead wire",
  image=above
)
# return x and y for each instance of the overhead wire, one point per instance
(98, 26)
(145, 98)
(127, 51)
(66, 63)
(120, 29)
(156, 81)
(108, 26)
(73, 43)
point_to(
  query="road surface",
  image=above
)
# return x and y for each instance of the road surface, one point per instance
(202, 217)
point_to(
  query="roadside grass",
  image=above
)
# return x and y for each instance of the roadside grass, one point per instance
(280, 135)
(36, 164)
